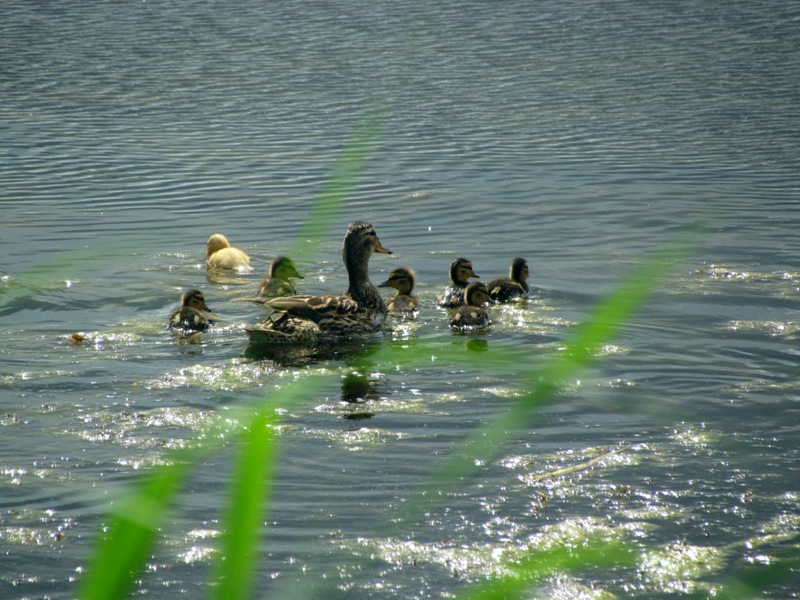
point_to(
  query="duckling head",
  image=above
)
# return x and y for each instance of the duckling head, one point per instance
(519, 270)
(476, 294)
(283, 267)
(194, 299)
(215, 243)
(461, 271)
(401, 279)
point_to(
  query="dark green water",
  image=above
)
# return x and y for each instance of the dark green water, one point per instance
(580, 135)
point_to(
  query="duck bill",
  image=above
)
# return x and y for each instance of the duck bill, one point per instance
(381, 249)
(384, 284)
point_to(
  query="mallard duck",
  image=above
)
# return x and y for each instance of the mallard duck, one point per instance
(278, 283)
(307, 319)
(472, 315)
(453, 295)
(513, 286)
(221, 255)
(402, 303)
(191, 316)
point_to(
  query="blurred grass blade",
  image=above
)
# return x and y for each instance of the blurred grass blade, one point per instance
(120, 555)
(340, 184)
(243, 521)
(538, 564)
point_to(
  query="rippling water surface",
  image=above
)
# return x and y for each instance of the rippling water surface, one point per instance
(580, 135)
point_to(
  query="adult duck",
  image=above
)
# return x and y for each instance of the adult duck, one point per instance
(460, 273)
(308, 319)
(514, 286)
(220, 255)
(402, 303)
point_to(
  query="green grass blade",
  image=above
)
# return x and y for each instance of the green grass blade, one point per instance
(535, 566)
(248, 498)
(120, 555)
(247, 503)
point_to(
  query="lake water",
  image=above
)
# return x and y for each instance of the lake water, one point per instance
(582, 135)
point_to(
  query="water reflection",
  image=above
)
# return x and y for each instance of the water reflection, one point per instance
(297, 355)
(357, 390)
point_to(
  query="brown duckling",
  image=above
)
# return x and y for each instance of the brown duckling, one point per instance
(279, 283)
(221, 255)
(307, 319)
(402, 303)
(192, 315)
(460, 273)
(513, 286)
(472, 315)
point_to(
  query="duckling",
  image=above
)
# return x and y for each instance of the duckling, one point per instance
(513, 286)
(221, 255)
(191, 316)
(278, 283)
(402, 303)
(453, 295)
(307, 319)
(472, 315)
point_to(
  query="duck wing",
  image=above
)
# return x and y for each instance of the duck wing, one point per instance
(315, 308)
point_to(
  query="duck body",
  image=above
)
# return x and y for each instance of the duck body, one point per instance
(279, 283)
(308, 319)
(221, 255)
(403, 303)
(514, 286)
(191, 316)
(472, 316)
(460, 273)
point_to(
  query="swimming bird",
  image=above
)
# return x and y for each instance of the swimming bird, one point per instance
(221, 255)
(402, 303)
(191, 316)
(472, 315)
(513, 286)
(279, 283)
(453, 295)
(308, 319)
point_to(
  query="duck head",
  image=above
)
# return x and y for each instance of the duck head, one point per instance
(461, 271)
(476, 294)
(283, 267)
(519, 270)
(194, 299)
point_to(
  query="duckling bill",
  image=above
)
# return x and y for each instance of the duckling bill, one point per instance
(192, 315)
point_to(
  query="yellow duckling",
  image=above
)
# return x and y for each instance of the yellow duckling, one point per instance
(221, 255)
(402, 303)
(191, 316)
(308, 319)
(281, 270)
(472, 315)
(513, 286)
(460, 273)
